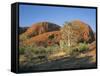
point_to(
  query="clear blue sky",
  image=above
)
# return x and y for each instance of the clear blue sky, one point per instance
(30, 14)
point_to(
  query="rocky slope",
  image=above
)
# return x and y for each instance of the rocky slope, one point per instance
(40, 28)
(83, 30)
(40, 32)
(43, 39)
(22, 29)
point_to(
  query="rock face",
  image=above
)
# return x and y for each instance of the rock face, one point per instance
(22, 29)
(39, 33)
(83, 30)
(40, 28)
(43, 39)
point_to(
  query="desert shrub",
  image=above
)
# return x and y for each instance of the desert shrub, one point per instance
(49, 49)
(70, 50)
(28, 52)
(51, 36)
(40, 53)
(36, 54)
(52, 49)
(63, 45)
(21, 50)
(40, 50)
(74, 52)
(34, 51)
(68, 34)
(83, 47)
(23, 37)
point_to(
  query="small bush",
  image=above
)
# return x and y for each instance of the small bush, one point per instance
(51, 37)
(21, 50)
(34, 53)
(83, 47)
(52, 49)
(39, 50)
(23, 37)
(74, 52)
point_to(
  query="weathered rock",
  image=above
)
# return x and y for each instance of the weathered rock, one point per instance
(84, 31)
(22, 29)
(40, 28)
(43, 39)
(43, 30)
